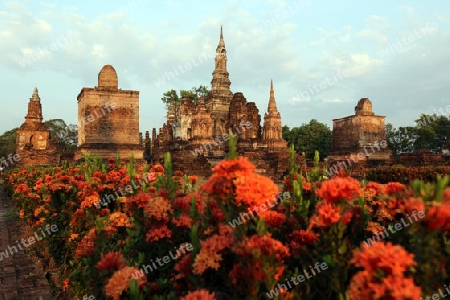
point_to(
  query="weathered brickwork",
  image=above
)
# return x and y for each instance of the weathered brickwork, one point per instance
(34, 145)
(362, 133)
(108, 119)
(197, 134)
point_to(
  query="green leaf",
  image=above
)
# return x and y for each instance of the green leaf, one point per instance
(328, 260)
(343, 248)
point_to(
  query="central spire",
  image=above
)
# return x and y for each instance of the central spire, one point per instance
(221, 53)
(219, 98)
(34, 114)
(272, 109)
(220, 81)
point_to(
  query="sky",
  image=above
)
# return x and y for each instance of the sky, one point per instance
(323, 56)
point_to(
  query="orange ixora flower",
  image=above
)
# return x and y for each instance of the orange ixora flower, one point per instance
(199, 295)
(231, 168)
(139, 200)
(364, 286)
(111, 261)
(385, 257)
(257, 250)
(326, 215)
(22, 188)
(439, 217)
(374, 228)
(40, 210)
(209, 255)
(119, 219)
(273, 218)
(377, 187)
(66, 284)
(158, 208)
(183, 221)
(193, 179)
(86, 245)
(301, 239)
(177, 173)
(394, 188)
(91, 200)
(73, 236)
(383, 275)
(339, 188)
(254, 190)
(155, 234)
(120, 281)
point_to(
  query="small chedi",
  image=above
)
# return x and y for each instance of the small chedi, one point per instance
(197, 133)
(108, 119)
(34, 144)
(360, 138)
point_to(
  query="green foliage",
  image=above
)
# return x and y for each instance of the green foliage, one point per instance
(172, 97)
(401, 139)
(232, 146)
(431, 133)
(65, 135)
(8, 143)
(309, 137)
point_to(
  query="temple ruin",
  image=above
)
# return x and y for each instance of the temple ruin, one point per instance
(34, 144)
(360, 138)
(108, 119)
(196, 133)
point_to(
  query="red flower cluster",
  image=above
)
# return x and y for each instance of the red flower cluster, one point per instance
(439, 217)
(301, 239)
(111, 261)
(383, 275)
(339, 188)
(326, 215)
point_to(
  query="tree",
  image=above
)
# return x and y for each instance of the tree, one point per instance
(170, 97)
(401, 140)
(66, 136)
(286, 133)
(433, 132)
(310, 137)
(194, 93)
(8, 143)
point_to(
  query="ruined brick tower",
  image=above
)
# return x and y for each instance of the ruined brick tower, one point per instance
(362, 133)
(272, 129)
(219, 98)
(196, 134)
(33, 141)
(108, 119)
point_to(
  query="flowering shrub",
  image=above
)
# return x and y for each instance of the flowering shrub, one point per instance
(406, 175)
(151, 233)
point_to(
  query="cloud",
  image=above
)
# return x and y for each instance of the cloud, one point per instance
(374, 35)
(143, 51)
(362, 63)
(441, 18)
(345, 38)
(325, 36)
(408, 9)
(334, 100)
(299, 99)
(48, 5)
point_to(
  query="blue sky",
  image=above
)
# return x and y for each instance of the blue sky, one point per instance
(322, 55)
